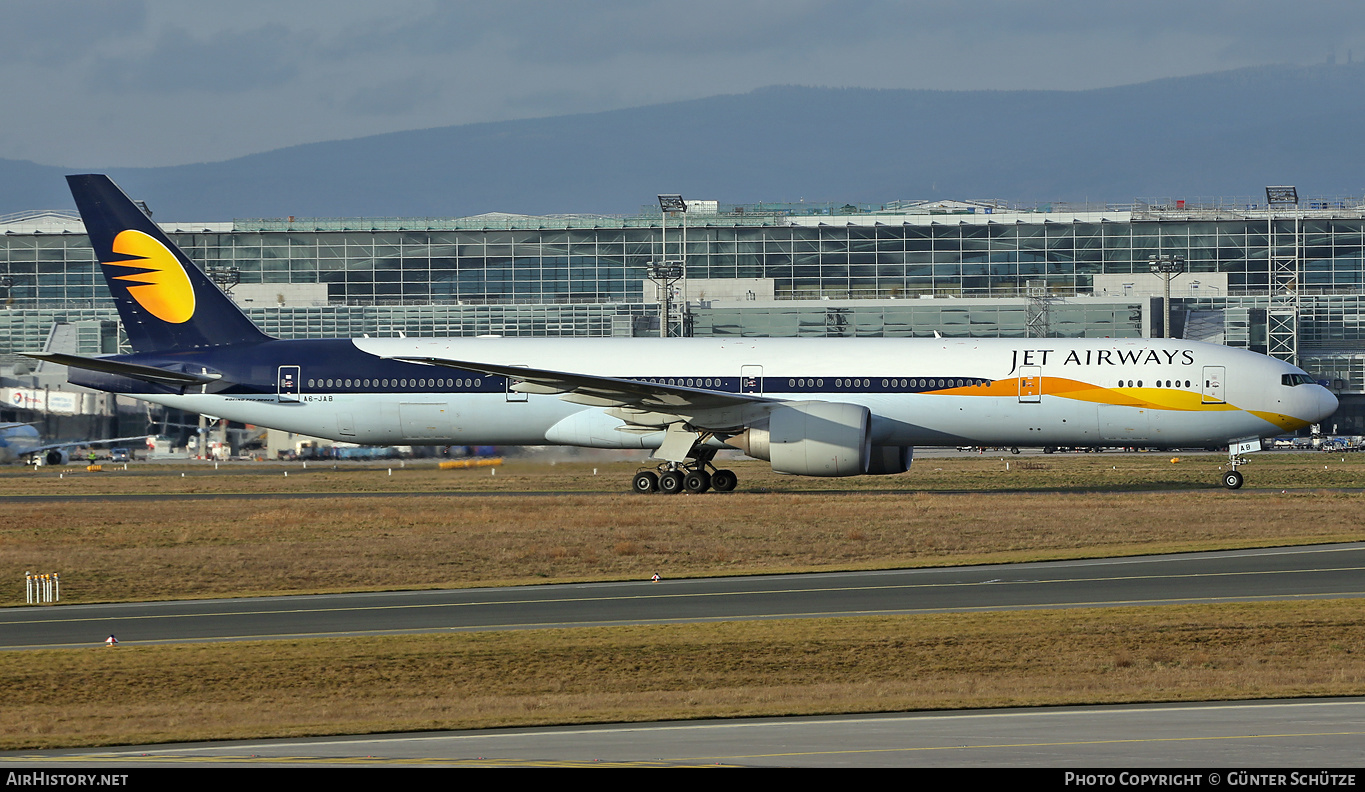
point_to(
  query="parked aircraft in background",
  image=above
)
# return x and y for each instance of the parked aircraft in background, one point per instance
(21, 442)
(814, 407)
(17, 441)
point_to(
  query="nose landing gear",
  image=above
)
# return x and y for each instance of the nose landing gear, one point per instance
(1232, 478)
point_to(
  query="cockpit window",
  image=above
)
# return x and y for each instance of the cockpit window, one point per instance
(1296, 379)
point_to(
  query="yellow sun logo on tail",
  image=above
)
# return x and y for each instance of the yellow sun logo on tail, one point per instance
(162, 287)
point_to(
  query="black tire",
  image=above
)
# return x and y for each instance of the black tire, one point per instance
(1232, 480)
(724, 481)
(1014, 450)
(645, 483)
(697, 481)
(671, 483)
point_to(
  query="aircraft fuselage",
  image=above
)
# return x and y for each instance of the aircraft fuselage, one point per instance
(1033, 392)
(814, 407)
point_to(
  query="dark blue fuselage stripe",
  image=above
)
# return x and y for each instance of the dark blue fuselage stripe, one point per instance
(465, 382)
(254, 369)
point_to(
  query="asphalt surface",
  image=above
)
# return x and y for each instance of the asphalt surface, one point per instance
(1307, 734)
(1246, 575)
(1285, 734)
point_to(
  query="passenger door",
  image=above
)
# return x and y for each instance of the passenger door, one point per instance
(751, 380)
(1213, 385)
(287, 384)
(1030, 384)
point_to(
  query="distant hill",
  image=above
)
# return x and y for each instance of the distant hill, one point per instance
(1224, 134)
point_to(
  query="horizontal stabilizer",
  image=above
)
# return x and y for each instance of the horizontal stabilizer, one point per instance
(135, 371)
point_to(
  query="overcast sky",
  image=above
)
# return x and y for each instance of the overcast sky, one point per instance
(151, 82)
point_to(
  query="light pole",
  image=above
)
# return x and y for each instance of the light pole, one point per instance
(1167, 268)
(665, 273)
(1282, 317)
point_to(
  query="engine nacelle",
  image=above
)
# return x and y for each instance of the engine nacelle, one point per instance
(812, 439)
(890, 460)
(57, 456)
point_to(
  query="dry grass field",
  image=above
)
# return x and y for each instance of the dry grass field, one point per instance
(145, 694)
(206, 547)
(958, 473)
(340, 529)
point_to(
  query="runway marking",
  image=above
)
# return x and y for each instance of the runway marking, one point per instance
(822, 722)
(353, 760)
(241, 750)
(661, 593)
(700, 620)
(996, 746)
(169, 756)
(700, 761)
(697, 595)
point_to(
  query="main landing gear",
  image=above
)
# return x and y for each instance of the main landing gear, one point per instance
(673, 477)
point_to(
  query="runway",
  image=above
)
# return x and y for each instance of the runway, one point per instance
(1321, 571)
(1307, 734)
(1311, 734)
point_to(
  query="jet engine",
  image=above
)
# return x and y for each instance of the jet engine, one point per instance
(812, 439)
(57, 456)
(890, 460)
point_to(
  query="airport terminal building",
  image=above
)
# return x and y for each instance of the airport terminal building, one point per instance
(1285, 279)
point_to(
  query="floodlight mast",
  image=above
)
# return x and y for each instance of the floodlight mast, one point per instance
(1166, 267)
(1282, 317)
(665, 273)
(1282, 196)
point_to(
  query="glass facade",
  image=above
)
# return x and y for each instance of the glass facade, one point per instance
(960, 272)
(465, 261)
(878, 318)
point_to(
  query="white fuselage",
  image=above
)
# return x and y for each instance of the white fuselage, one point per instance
(1032, 392)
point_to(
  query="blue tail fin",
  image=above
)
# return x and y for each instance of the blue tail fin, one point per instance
(165, 301)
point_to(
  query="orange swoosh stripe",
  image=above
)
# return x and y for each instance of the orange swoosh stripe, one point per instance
(1150, 398)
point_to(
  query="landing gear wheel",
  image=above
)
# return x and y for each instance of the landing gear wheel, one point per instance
(1232, 480)
(724, 481)
(671, 483)
(645, 482)
(1014, 450)
(697, 481)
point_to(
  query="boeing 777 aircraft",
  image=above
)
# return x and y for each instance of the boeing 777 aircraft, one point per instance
(813, 407)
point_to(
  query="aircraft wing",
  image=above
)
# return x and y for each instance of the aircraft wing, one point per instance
(637, 398)
(135, 371)
(84, 443)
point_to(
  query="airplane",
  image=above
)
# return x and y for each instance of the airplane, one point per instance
(21, 442)
(811, 407)
(17, 441)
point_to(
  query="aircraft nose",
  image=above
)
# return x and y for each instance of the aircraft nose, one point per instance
(1327, 404)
